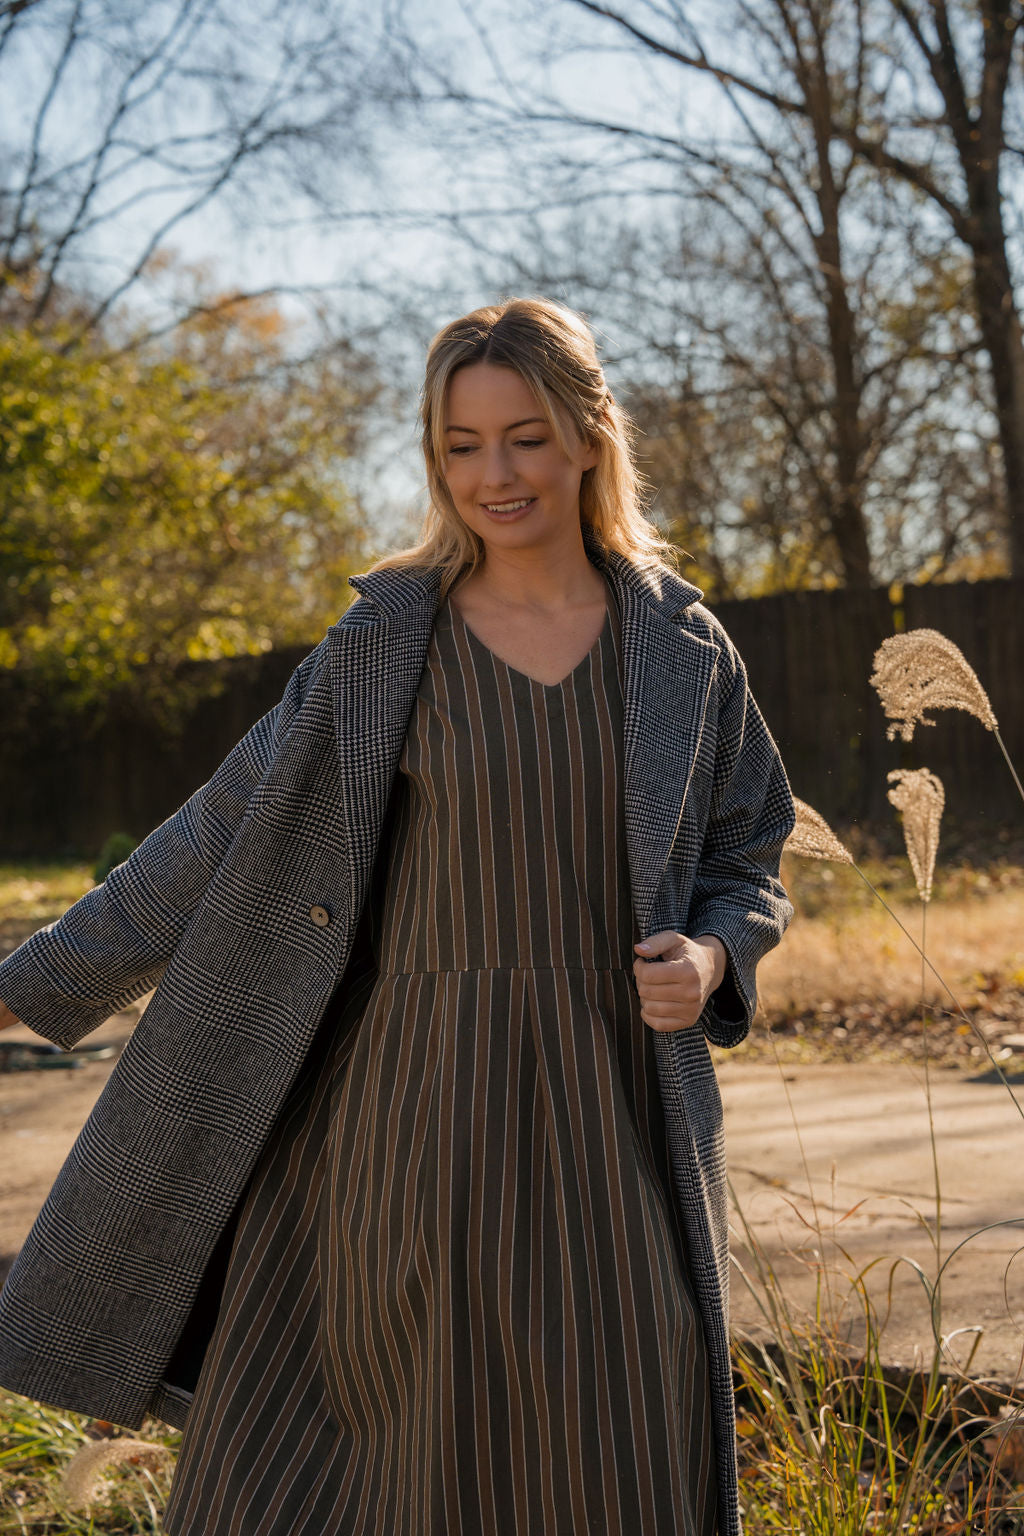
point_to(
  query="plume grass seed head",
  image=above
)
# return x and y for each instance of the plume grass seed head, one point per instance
(918, 795)
(921, 669)
(813, 838)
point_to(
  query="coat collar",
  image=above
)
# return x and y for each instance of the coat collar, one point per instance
(668, 670)
(399, 587)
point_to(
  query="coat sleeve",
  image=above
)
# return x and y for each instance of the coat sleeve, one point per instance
(112, 946)
(737, 893)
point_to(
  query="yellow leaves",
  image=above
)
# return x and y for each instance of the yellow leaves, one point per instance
(9, 653)
(162, 511)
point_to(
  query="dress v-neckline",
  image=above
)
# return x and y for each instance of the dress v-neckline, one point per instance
(515, 671)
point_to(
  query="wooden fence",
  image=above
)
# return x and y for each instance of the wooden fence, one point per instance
(64, 787)
(809, 657)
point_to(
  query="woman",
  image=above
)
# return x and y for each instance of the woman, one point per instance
(407, 1196)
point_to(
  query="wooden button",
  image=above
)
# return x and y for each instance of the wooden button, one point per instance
(320, 916)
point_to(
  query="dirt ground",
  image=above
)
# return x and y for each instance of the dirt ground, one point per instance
(41, 1113)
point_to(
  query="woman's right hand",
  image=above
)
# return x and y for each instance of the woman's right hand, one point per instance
(7, 1018)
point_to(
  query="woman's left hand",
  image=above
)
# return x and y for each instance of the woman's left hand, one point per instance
(674, 988)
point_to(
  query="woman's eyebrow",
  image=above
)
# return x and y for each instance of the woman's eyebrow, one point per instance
(528, 422)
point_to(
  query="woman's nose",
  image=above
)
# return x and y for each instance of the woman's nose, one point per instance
(497, 470)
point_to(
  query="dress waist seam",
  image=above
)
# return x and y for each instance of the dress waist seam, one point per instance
(470, 970)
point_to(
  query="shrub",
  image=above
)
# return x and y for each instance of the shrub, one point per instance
(114, 851)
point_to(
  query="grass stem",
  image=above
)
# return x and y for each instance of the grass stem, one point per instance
(1009, 763)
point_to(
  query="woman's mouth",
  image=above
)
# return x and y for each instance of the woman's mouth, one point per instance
(509, 511)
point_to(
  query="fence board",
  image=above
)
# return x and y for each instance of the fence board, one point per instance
(808, 657)
(986, 620)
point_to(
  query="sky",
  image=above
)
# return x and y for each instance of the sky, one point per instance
(419, 166)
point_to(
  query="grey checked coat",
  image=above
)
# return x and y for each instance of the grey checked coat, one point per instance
(242, 911)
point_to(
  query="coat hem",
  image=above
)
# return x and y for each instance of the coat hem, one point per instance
(171, 1405)
(91, 1404)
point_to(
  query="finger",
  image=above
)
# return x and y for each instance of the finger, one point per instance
(679, 1007)
(658, 943)
(669, 1026)
(679, 1002)
(667, 973)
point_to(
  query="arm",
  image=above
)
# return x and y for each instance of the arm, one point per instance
(737, 895)
(112, 946)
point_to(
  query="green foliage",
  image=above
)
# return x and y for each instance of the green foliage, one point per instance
(114, 852)
(36, 1445)
(167, 505)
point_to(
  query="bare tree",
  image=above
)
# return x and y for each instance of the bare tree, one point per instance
(787, 283)
(969, 51)
(927, 107)
(126, 124)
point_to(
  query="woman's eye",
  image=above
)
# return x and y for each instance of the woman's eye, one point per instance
(459, 449)
(530, 442)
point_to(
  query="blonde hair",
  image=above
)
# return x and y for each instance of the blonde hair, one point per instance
(553, 350)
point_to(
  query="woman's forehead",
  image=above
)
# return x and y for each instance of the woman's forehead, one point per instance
(487, 389)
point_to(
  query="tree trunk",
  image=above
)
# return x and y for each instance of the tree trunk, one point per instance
(1001, 333)
(981, 148)
(980, 144)
(848, 523)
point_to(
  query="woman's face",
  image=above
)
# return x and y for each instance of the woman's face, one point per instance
(508, 475)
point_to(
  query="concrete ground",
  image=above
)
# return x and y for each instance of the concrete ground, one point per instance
(852, 1193)
(832, 1169)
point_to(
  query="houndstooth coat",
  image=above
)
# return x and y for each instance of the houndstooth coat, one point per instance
(242, 910)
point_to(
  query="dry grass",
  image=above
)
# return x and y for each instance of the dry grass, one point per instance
(918, 795)
(34, 894)
(813, 838)
(845, 984)
(65, 1475)
(853, 954)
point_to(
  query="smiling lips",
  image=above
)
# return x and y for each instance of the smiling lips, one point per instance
(508, 509)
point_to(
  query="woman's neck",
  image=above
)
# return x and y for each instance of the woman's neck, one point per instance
(521, 579)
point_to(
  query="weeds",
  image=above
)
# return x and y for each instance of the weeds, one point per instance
(835, 1443)
(37, 1446)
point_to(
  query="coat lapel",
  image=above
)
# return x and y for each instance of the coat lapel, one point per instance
(375, 669)
(667, 674)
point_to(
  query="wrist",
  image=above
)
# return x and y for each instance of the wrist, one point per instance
(719, 959)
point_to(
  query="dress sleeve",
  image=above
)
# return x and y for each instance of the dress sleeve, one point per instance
(737, 893)
(113, 945)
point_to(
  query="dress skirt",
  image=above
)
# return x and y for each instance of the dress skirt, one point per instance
(458, 1301)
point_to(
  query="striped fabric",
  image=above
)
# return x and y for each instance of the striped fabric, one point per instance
(458, 1299)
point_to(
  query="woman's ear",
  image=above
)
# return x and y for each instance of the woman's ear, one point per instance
(591, 454)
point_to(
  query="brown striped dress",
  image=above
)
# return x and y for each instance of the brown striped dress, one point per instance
(457, 1302)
